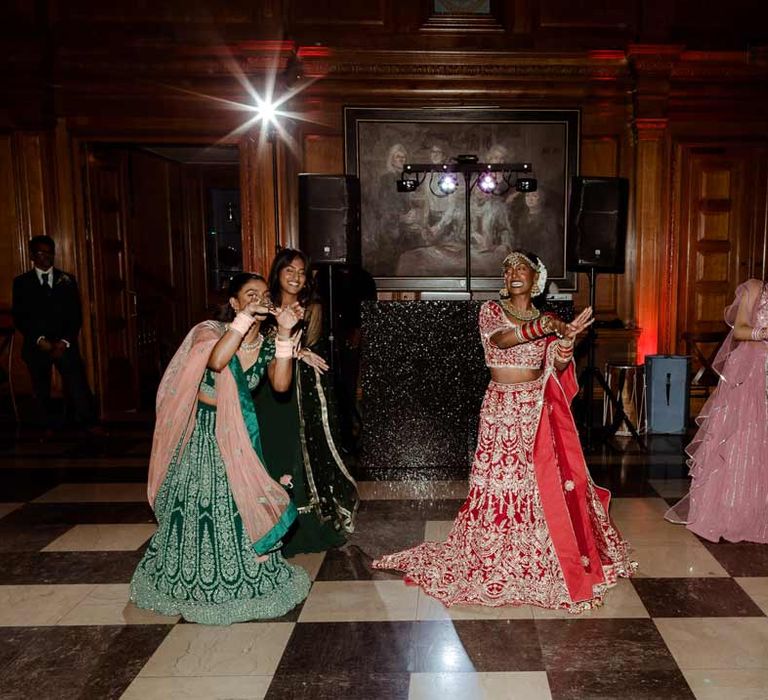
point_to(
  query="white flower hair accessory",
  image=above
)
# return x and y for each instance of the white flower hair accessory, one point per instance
(540, 282)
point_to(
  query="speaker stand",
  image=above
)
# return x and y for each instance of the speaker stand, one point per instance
(590, 374)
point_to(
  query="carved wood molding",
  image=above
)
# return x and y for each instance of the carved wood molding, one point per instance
(418, 64)
(169, 57)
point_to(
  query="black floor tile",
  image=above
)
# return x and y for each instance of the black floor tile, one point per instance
(79, 514)
(351, 563)
(22, 568)
(611, 647)
(629, 685)
(339, 648)
(332, 686)
(483, 646)
(29, 538)
(695, 597)
(740, 558)
(74, 662)
(377, 536)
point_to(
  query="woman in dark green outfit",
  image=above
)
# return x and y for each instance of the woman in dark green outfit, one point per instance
(215, 557)
(299, 427)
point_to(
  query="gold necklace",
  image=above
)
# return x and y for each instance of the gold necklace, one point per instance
(528, 315)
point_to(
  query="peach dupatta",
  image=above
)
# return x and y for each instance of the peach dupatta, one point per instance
(265, 508)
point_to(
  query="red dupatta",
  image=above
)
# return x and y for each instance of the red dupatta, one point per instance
(565, 486)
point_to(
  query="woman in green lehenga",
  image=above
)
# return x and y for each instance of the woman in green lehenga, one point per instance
(215, 557)
(299, 426)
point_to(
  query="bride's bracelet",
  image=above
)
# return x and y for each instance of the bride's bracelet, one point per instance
(533, 330)
(760, 333)
(564, 350)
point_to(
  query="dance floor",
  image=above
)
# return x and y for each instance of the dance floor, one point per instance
(74, 523)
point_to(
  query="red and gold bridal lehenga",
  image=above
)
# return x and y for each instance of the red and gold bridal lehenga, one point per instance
(534, 529)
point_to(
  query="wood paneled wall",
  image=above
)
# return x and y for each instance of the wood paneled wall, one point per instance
(658, 84)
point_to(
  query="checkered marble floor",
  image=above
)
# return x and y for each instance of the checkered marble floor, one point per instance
(692, 624)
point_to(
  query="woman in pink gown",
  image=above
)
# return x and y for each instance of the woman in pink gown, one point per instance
(534, 529)
(728, 458)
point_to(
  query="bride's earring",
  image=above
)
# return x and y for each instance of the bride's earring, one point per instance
(504, 293)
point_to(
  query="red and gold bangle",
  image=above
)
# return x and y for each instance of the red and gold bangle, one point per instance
(564, 350)
(539, 328)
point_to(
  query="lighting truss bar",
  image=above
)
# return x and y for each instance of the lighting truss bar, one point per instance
(413, 168)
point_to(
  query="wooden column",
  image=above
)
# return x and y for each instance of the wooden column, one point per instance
(257, 202)
(652, 66)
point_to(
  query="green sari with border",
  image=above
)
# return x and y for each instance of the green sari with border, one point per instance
(200, 563)
(300, 430)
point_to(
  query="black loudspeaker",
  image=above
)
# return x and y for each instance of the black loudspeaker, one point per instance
(329, 218)
(597, 224)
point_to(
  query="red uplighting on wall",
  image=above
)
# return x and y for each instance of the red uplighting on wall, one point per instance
(606, 55)
(313, 52)
(647, 344)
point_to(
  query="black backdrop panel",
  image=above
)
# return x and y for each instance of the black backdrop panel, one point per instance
(423, 377)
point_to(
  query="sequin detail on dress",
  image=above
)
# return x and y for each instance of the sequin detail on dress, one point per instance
(525, 356)
(200, 563)
(534, 529)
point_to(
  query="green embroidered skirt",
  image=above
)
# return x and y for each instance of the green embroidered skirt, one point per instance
(200, 564)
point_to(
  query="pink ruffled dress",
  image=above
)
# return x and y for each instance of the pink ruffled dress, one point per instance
(728, 458)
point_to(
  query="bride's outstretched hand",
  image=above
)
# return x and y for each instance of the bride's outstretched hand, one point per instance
(579, 324)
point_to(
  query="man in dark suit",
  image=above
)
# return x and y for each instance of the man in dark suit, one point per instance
(46, 309)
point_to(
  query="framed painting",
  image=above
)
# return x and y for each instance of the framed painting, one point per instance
(417, 240)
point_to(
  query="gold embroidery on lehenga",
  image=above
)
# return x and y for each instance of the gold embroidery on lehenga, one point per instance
(499, 550)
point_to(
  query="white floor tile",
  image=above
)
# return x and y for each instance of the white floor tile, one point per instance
(208, 688)
(251, 649)
(30, 606)
(521, 685)
(757, 589)
(746, 684)
(108, 604)
(336, 601)
(716, 643)
(675, 561)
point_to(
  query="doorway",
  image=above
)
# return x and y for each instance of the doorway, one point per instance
(154, 216)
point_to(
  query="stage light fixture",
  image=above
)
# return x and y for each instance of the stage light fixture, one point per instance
(405, 185)
(448, 182)
(487, 183)
(526, 184)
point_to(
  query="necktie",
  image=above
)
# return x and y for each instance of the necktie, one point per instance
(44, 279)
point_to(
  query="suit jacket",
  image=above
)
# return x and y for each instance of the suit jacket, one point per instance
(51, 312)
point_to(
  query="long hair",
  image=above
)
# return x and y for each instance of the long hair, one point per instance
(224, 312)
(282, 260)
